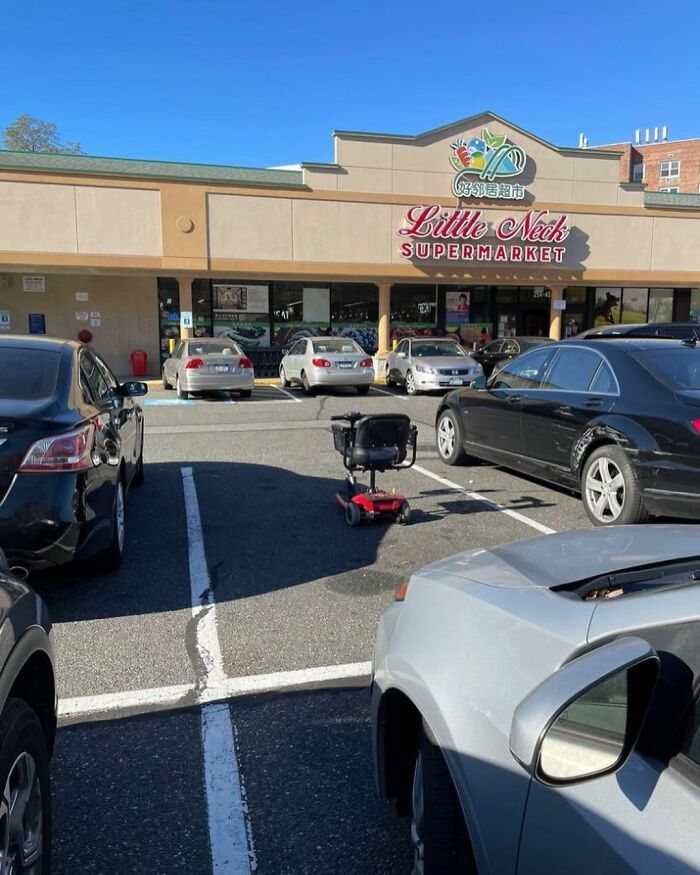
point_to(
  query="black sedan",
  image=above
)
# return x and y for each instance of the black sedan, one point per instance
(27, 728)
(504, 349)
(618, 422)
(71, 445)
(677, 330)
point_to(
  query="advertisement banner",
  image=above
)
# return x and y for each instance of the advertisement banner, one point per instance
(457, 308)
(241, 314)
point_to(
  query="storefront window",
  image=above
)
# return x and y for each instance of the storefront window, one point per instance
(635, 303)
(576, 295)
(168, 314)
(201, 307)
(241, 312)
(354, 313)
(300, 310)
(661, 305)
(466, 314)
(413, 310)
(607, 306)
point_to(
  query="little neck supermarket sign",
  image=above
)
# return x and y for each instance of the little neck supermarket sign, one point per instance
(457, 235)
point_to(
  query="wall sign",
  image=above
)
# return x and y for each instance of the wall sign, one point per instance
(5, 321)
(37, 323)
(34, 283)
(481, 160)
(186, 319)
(442, 234)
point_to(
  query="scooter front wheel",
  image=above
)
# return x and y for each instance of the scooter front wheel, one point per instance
(404, 514)
(353, 514)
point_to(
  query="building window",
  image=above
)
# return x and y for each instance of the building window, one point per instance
(637, 173)
(635, 303)
(695, 305)
(413, 310)
(670, 169)
(670, 190)
(660, 305)
(300, 310)
(607, 306)
(354, 312)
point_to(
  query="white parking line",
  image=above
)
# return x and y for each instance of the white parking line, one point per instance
(288, 394)
(276, 681)
(228, 827)
(390, 394)
(476, 496)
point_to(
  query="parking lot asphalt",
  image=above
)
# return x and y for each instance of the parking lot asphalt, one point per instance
(297, 597)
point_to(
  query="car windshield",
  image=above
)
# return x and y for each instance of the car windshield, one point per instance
(339, 345)
(28, 374)
(432, 349)
(214, 349)
(678, 368)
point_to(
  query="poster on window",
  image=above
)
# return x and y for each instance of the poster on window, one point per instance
(457, 308)
(241, 314)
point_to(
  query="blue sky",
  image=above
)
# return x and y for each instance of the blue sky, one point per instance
(265, 83)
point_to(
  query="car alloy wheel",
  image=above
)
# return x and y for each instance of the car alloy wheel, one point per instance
(411, 383)
(21, 819)
(180, 391)
(120, 517)
(605, 490)
(306, 386)
(283, 377)
(446, 437)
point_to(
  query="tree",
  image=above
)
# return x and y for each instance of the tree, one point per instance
(29, 134)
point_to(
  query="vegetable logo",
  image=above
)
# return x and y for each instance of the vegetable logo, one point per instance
(487, 157)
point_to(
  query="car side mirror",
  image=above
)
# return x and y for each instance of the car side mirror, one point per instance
(584, 720)
(480, 382)
(285, 352)
(134, 389)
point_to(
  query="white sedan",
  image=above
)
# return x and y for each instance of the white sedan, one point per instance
(315, 362)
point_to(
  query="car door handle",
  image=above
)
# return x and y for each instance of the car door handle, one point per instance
(593, 402)
(513, 399)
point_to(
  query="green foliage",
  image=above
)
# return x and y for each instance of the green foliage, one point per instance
(493, 142)
(30, 134)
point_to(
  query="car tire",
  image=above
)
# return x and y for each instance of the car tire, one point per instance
(449, 440)
(362, 390)
(111, 558)
(622, 503)
(438, 833)
(246, 393)
(389, 380)
(180, 391)
(283, 378)
(305, 385)
(410, 384)
(24, 773)
(353, 514)
(166, 384)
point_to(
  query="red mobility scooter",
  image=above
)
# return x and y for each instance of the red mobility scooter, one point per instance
(378, 442)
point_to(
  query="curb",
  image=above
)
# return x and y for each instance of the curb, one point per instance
(259, 381)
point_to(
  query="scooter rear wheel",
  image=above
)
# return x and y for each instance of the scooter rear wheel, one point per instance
(404, 514)
(353, 514)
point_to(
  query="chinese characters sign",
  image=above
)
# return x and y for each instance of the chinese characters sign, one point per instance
(481, 160)
(459, 235)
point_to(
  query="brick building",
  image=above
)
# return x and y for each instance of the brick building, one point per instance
(671, 166)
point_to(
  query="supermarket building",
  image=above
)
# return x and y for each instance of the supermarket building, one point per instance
(476, 227)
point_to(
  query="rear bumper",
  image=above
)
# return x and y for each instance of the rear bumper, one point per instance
(48, 520)
(217, 382)
(349, 377)
(670, 487)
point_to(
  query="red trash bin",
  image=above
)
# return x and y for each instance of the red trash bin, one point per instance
(139, 363)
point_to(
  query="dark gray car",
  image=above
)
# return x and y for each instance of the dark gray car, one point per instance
(536, 706)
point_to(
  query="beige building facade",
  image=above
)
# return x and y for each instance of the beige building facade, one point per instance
(477, 228)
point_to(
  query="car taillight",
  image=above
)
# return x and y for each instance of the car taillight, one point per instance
(320, 363)
(64, 452)
(696, 425)
(246, 364)
(366, 363)
(194, 363)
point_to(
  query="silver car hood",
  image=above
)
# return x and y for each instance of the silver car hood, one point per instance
(569, 557)
(445, 361)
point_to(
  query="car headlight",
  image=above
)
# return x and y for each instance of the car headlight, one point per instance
(425, 369)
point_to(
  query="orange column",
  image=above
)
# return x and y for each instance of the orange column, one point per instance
(185, 284)
(555, 315)
(384, 318)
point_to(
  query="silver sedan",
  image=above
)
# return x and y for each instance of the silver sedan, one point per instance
(429, 363)
(316, 362)
(208, 365)
(515, 710)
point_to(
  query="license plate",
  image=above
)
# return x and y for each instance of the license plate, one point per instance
(455, 381)
(221, 369)
(344, 364)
